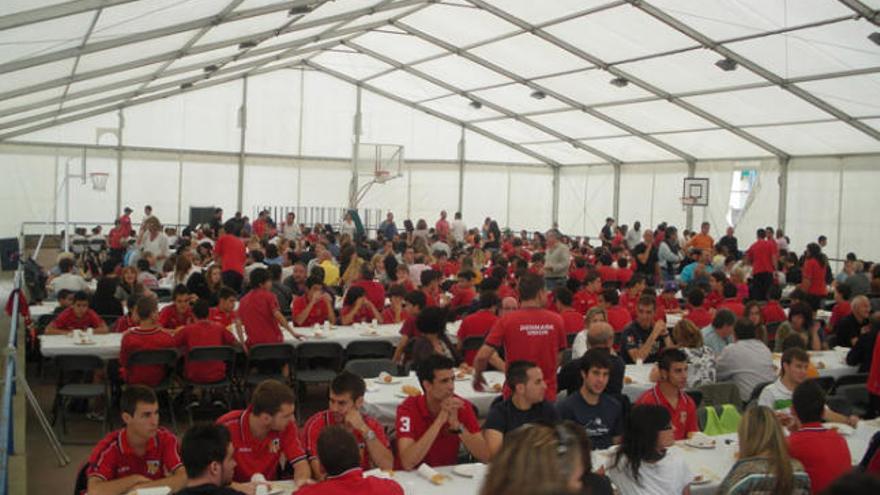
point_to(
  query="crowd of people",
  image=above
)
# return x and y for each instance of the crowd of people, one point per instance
(531, 298)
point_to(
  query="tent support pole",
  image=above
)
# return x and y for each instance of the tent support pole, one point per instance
(355, 151)
(689, 217)
(616, 196)
(555, 197)
(120, 125)
(461, 158)
(242, 124)
(783, 194)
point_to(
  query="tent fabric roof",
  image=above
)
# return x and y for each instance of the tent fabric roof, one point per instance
(534, 75)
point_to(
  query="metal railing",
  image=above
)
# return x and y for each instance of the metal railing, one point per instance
(7, 444)
(310, 215)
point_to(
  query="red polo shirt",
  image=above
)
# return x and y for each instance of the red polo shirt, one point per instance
(171, 319)
(430, 300)
(256, 310)
(409, 328)
(318, 313)
(607, 273)
(363, 314)
(761, 253)
(114, 238)
(203, 333)
(713, 299)
(531, 334)
(253, 455)
(112, 458)
(352, 481)
(840, 310)
(624, 275)
(123, 323)
(462, 297)
(232, 253)
(505, 290)
(584, 300)
(414, 419)
(222, 318)
(475, 325)
(823, 452)
(320, 420)
(618, 317)
(374, 291)
(734, 305)
(773, 312)
(125, 225)
(684, 415)
(666, 306)
(816, 273)
(700, 317)
(388, 316)
(68, 320)
(573, 321)
(140, 339)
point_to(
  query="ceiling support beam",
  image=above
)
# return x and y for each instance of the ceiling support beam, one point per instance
(431, 112)
(533, 85)
(870, 15)
(707, 42)
(57, 11)
(689, 210)
(617, 72)
(484, 102)
(782, 208)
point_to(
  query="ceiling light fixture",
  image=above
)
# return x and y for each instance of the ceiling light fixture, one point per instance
(727, 64)
(301, 9)
(186, 85)
(875, 37)
(620, 82)
(211, 68)
(538, 95)
(475, 105)
(246, 44)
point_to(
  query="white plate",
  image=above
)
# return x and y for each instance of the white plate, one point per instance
(467, 470)
(85, 343)
(703, 480)
(841, 428)
(394, 380)
(700, 443)
(401, 395)
(464, 378)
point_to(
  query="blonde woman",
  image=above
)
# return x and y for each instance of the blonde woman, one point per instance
(764, 466)
(537, 459)
(579, 346)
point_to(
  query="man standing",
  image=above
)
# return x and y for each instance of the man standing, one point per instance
(607, 233)
(763, 255)
(346, 400)
(633, 235)
(230, 252)
(557, 260)
(441, 228)
(525, 405)
(600, 414)
(432, 426)
(458, 228)
(669, 393)
(387, 228)
(140, 455)
(729, 241)
(702, 241)
(531, 333)
(644, 337)
(264, 432)
(645, 254)
(125, 223)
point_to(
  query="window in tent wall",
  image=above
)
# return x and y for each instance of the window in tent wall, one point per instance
(742, 184)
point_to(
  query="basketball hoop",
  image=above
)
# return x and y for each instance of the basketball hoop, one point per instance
(99, 180)
(381, 176)
(687, 201)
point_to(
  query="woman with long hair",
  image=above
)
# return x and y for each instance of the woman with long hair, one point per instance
(700, 357)
(128, 285)
(104, 301)
(752, 312)
(643, 464)
(431, 323)
(537, 459)
(763, 464)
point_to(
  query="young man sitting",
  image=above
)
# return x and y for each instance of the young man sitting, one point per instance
(224, 314)
(600, 414)
(431, 426)
(645, 337)
(346, 401)
(778, 395)
(315, 306)
(65, 300)
(374, 291)
(731, 301)
(259, 312)
(697, 313)
(773, 311)
(588, 296)
(264, 432)
(203, 332)
(357, 308)
(77, 317)
(823, 451)
(478, 324)
(414, 302)
(395, 313)
(148, 335)
(338, 454)
(572, 320)
(669, 393)
(209, 460)
(463, 293)
(525, 405)
(175, 316)
(618, 316)
(140, 455)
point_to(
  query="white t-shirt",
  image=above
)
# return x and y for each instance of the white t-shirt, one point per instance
(69, 281)
(776, 396)
(458, 230)
(669, 475)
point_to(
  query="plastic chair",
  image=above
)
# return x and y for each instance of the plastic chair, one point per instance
(696, 395)
(826, 382)
(316, 362)
(853, 392)
(718, 394)
(110, 320)
(206, 354)
(166, 358)
(371, 368)
(756, 392)
(369, 349)
(74, 382)
(269, 359)
(854, 379)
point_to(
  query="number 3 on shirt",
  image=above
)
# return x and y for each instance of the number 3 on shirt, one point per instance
(404, 424)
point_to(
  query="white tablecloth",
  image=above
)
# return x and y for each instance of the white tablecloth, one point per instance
(413, 484)
(639, 375)
(381, 401)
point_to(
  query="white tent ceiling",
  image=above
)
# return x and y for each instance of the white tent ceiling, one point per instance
(531, 74)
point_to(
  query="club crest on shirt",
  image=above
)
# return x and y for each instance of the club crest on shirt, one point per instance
(684, 416)
(152, 467)
(275, 446)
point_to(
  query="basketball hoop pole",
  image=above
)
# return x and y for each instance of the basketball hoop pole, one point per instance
(66, 185)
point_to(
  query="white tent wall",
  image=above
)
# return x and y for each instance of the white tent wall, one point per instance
(531, 198)
(485, 195)
(586, 198)
(650, 192)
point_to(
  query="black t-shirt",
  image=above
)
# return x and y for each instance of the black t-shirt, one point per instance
(505, 417)
(606, 233)
(648, 268)
(730, 243)
(847, 329)
(602, 422)
(569, 377)
(596, 484)
(632, 337)
(209, 489)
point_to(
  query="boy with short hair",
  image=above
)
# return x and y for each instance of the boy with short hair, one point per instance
(77, 317)
(179, 313)
(147, 335)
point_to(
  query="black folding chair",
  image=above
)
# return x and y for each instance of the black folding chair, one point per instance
(696, 395)
(316, 362)
(162, 294)
(371, 368)
(771, 333)
(566, 357)
(266, 361)
(472, 343)
(110, 320)
(369, 349)
(852, 390)
(75, 374)
(570, 338)
(167, 358)
(756, 392)
(207, 354)
(826, 382)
